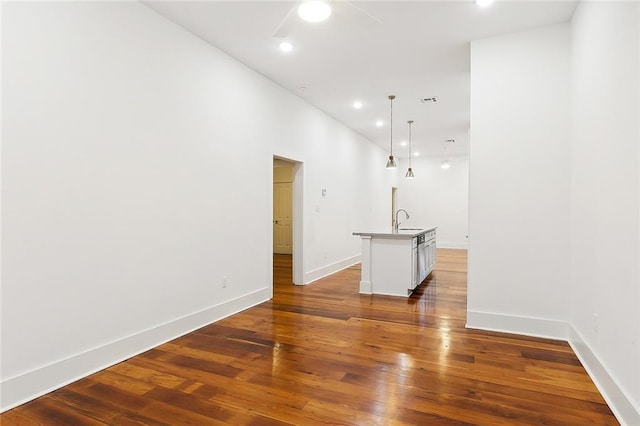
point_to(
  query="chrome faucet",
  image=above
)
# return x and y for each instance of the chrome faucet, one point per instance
(397, 224)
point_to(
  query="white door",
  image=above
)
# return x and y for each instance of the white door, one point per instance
(282, 232)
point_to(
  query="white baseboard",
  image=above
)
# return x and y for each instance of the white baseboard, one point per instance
(27, 386)
(365, 287)
(450, 245)
(626, 412)
(325, 271)
(620, 403)
(535, 327)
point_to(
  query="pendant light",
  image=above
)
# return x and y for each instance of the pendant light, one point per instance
(391, 162)
(409, 174)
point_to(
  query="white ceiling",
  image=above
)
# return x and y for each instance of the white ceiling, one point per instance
(414, 49)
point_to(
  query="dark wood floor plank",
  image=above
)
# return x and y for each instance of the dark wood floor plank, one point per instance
(49, 411)
(324, 354)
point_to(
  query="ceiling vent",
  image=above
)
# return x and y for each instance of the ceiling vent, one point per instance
(427, 100)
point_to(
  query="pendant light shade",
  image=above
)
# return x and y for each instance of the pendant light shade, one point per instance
(409, 174)
(391, 162)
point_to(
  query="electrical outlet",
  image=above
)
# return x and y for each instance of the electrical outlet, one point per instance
(224, 282)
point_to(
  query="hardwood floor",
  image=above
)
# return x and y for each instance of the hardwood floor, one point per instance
(323, 354)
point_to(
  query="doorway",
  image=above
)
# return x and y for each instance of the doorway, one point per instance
(287, 221)
(282, 208)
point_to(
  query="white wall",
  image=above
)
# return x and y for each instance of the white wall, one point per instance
(566, 203)
(437, 197)
(519, 182)
(352, 172)
(605, 308)
(119, 219)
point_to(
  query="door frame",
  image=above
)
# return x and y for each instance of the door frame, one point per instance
(296, 216)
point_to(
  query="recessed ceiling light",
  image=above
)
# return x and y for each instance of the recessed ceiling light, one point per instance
(314, 10)
(285, 46)
(416, 154)
(445, 164)
(484, 3)
(403, 143)
(357, 104)
(379, 123)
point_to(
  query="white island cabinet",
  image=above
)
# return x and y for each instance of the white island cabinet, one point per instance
(395, 263)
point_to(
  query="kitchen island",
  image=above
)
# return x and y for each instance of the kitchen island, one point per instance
(396, 262)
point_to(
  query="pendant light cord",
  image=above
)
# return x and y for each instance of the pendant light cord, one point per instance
(410, 123)
(391, 98)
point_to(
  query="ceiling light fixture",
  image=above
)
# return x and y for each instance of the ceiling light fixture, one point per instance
(314, 10)
(409, 174)
(391, 162)
(484, 3)
(379, 123)
(285, 46)
(357, 104)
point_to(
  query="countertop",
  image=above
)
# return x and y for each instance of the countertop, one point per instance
(403, 233)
